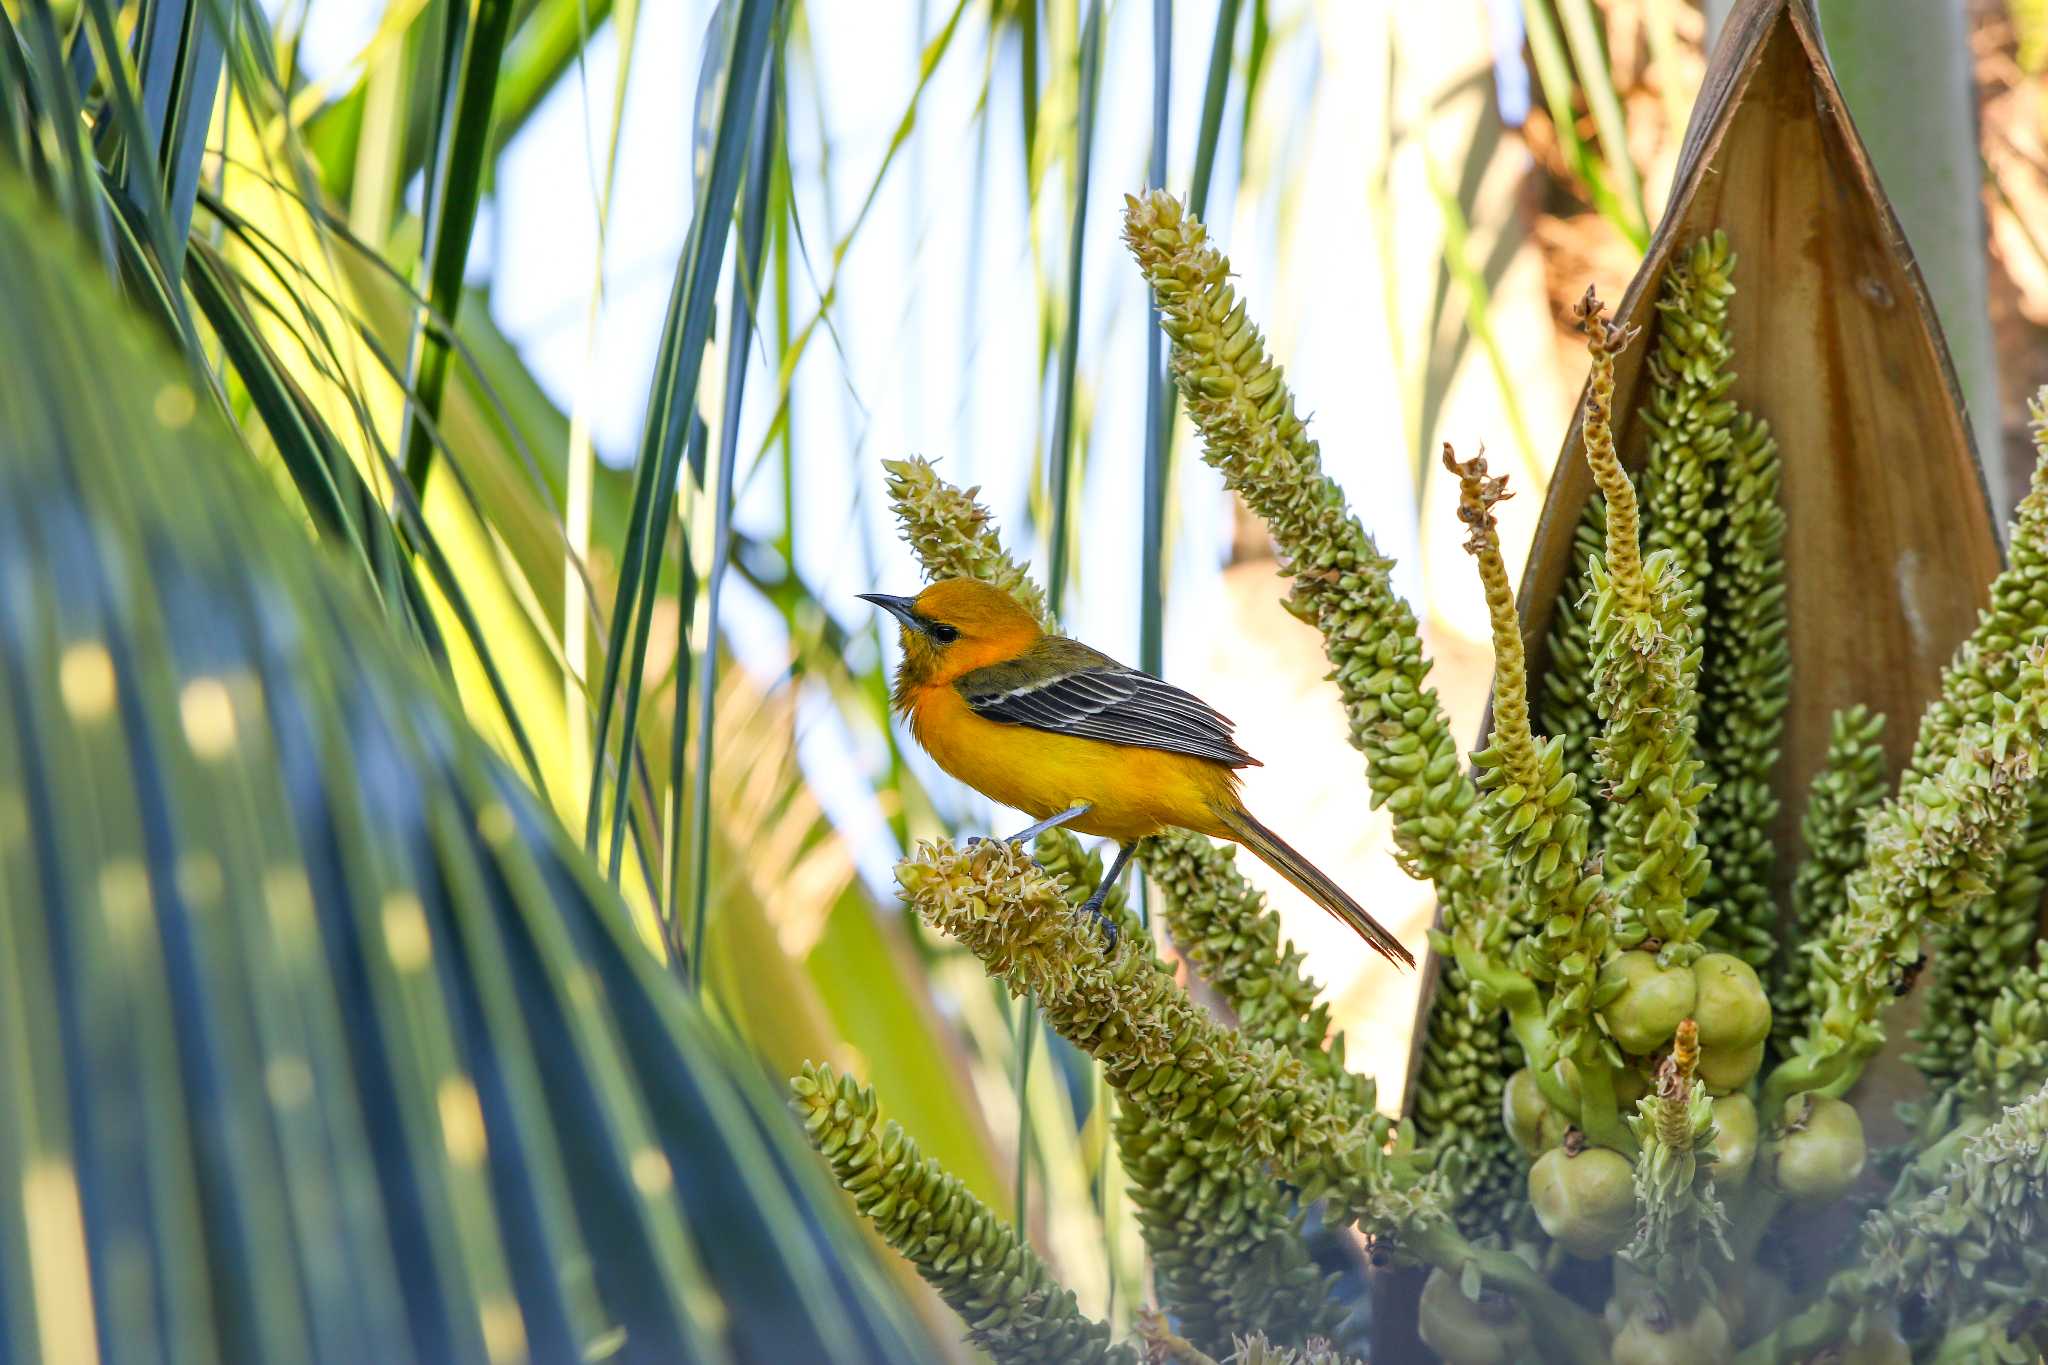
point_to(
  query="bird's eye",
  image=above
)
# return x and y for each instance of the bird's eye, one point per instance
(945, 634)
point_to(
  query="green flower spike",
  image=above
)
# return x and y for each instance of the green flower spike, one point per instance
(1641, 627)
(1932, 849)
(1163, 1054)
(1217, 1091)
(1689, 415)
(1681, 1217)
(1970, 1252)
(1565, 710)
(953, 536)
(2009, 1052)
(1232, 937)
(1978, 950)
(1538, 819)
(1745, 688)
(1013, 1308)
(1342, 584)
(1225, 1237)
(1850, 783)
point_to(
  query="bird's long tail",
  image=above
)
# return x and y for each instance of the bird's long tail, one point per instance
(1275, 853)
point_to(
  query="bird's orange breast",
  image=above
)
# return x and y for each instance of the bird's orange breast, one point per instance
(1133, 792)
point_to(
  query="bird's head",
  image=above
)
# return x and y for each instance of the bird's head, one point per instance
(956, 626)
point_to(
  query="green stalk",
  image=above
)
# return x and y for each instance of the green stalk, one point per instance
(1070, 341)
(746, 286)
(469, 80)
(671, 411)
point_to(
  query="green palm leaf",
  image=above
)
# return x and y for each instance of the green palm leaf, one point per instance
(323, 1040)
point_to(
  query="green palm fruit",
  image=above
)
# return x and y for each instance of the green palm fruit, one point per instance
(1533, 1122)
(1731, 1008)
(1735, 1138)
(1649, 1003)
(1817, 1152)
(1651, 1337)
(1488, 1331)
(1727, 1069)
(1586, 1200)
(1631, 1083)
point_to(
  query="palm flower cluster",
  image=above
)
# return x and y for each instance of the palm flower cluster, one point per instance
(1632, 1087)
(1008, 1298)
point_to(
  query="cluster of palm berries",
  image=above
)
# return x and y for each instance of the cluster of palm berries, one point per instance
(1584, 1195)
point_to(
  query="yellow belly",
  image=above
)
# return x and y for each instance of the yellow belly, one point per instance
(1131, 792)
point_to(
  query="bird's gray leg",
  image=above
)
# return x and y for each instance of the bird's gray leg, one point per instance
(1093, 905)
(1030, 832)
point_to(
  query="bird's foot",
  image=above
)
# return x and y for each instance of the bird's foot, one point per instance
(1093, 906)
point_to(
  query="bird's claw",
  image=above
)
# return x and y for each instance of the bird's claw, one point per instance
(1109, 928)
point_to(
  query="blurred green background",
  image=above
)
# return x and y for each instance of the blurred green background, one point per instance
(579, 328)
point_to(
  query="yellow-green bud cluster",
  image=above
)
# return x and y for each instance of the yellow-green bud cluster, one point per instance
(1256, 1349)
(1164, 1055)
(1745, 687)
(1690, 416)
(1012, 1306)
(1989, 664)
(1978, 949)
(1970, 1251)
(1849, 785)
(1931, 849)
(1232, 937)
(1565, 710)
(1225, 1237)
(1540, 823)
(1466, 1057)
(953, 536)
(1167, 1348)
(1680, 1220)
(1342, 583)
(1538, 819)
(2009, 1052)
(1641, 629)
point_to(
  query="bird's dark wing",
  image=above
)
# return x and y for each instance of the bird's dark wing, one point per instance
(1065, 687)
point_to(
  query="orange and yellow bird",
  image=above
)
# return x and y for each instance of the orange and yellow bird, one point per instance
(1072, 737)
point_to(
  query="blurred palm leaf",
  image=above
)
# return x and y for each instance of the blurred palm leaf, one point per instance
(332, 1046)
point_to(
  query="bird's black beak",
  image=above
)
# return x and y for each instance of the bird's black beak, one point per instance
(902, 608)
